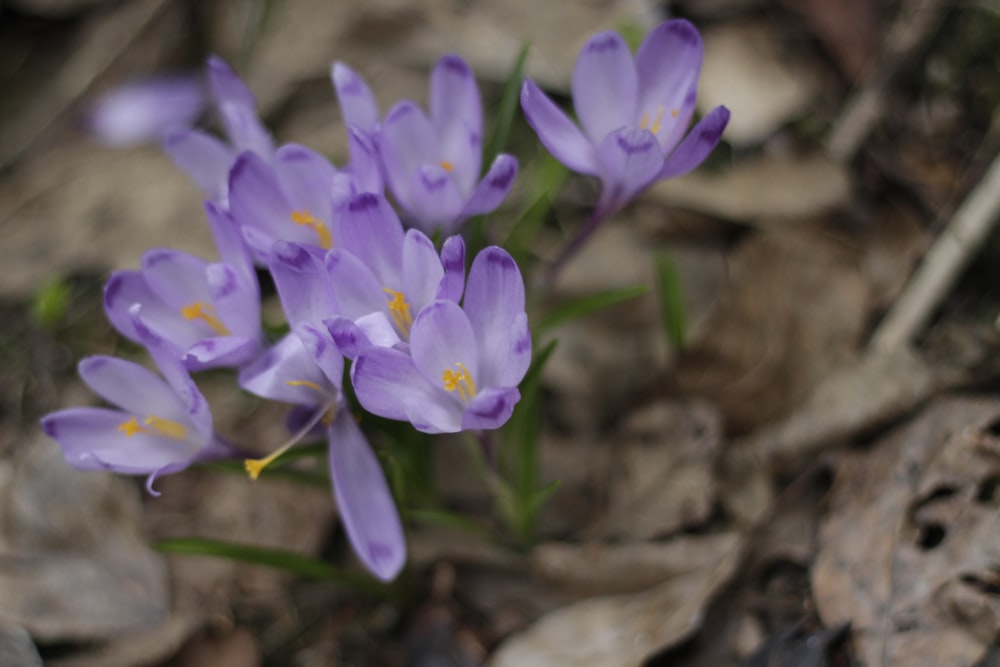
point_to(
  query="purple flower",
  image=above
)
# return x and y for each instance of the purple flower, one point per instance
(634, 113)
(305, 369)
(464, 363)
(143, 111)
(162, 426)
(208, 160)
(432, 165)
(209, 311)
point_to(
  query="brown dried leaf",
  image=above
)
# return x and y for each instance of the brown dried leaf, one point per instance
(910, 549)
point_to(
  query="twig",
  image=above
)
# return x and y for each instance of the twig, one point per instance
(953, 248)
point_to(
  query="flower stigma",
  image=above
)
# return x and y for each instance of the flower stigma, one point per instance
(461, 382)
(657, 122)
(156, 426)
(306, 219)
(326, 414)
(199, 310)
(447, 166)
(399, 309)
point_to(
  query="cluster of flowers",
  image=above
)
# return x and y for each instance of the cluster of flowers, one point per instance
(429, 344)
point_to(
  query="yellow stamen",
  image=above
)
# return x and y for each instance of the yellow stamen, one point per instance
(157, 426)
(400, 311)
(199, 310)
(304, 383)
(326, 414)
(461, 381)
(447, 166)
(657, 122)
(306, 219)
(674, 113)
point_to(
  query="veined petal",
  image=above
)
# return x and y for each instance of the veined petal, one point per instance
(407, 141)
(494, 300)
(288, 372)
(605, 86)
(177, 277)
(384, 379)
(630, 160)
(442, 341)
(357, 291)
(221, 352)
(301, 280)
(557, 132)
(350, 339)
(669, 63)
(320, 345)
(236, 303)
(204, 158)
(378, 330)
(494, 187)
(306, 178)
(257, 202)
(422, 270)
(131, 387)
(364, 161)
(697, 145)
(364, 500)
(433, 415)
(123, 289)
(357, 104)
(490, 409)
(457, 115)
(453, 260)
(372, 232)
(230, 243)
(433, 201)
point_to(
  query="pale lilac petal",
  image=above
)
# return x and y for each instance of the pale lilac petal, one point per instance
(221, 352)
(422, 270)
(204, 158)
(357, 104)
(379, 331)
(557, 132)
(513, 369)
(433, 200)
(669, 63)
(365, 166)
(131, 387)
(350, 339)
(245, 131)
(229, 242)
(288, 373)
(697, 145)
(494, 300)
(490, 409)
(177, 277)
(494, 187)
(301, 280)
(630, 161)
(123, 289)
(144, 110)
(236, 303)
(258, 203)
(453, 260)
(364, 501)
(442, 340)
(321, 346)
(457, 115)
(372, 232)
(226, 86)
(385, 378)
(438, 414)
(357, 291)
(306, 178)
(91, 440)
(407, 141)
(605, 86)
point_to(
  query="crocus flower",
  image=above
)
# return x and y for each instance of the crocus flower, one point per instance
(143, 111)
(161, 426)
(633, 113)
(432, 165)
(209, 311)
(305, 369)
(464, 363)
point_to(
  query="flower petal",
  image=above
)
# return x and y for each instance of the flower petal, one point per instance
(357, 104)
(364, 500)
(204, 158)
(221, 352)
(245, 131)
(434, 200)
(453, 260)
(229, 242)
(350, 339)
(306, 178)
(364, 165)
(697, 145)
(385, 378)
(257, 202)
(176, 277)
(494, 301)
(457, 115)
(226, 86)
(288, 372)
(422, 270)
(630, 160)
(131, 387)
(669, 62)
(433, 415)
(143, 111)
(301, 280)
(490, 409)
(357, 291)
(442, 340)
(557, 132)
(372, 232)
(319, 344)
(236, 303)
(605, 86)
(494, 187)
(407, 141)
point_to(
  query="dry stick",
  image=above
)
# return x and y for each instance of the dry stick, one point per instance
(963, 236)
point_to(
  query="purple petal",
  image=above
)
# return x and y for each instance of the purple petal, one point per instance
(143, 111)
(494, 187)
(131, 387)
(557, 132)
(364, 500)
(697, 145)
(490, 409)
(630, 160)
(453, 260)
(668, 62)
(229, 241)
(236, 302)
(364, 165)
(320, 345)
(257, 202)
(177, 277)
(457, 115)
(357, 104)
(301, 280)
(422, 270)
(288, 373)
(407, 141)
(205, 159)
(372, 232)
(306, 178)
(494, 303)
(350, 339)
(384, 379)
(226, 86)
(438, 414)
(245, 131)
(221, 352)
(442, 341)
(434, 200)
(605, 86)
(358, 292)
